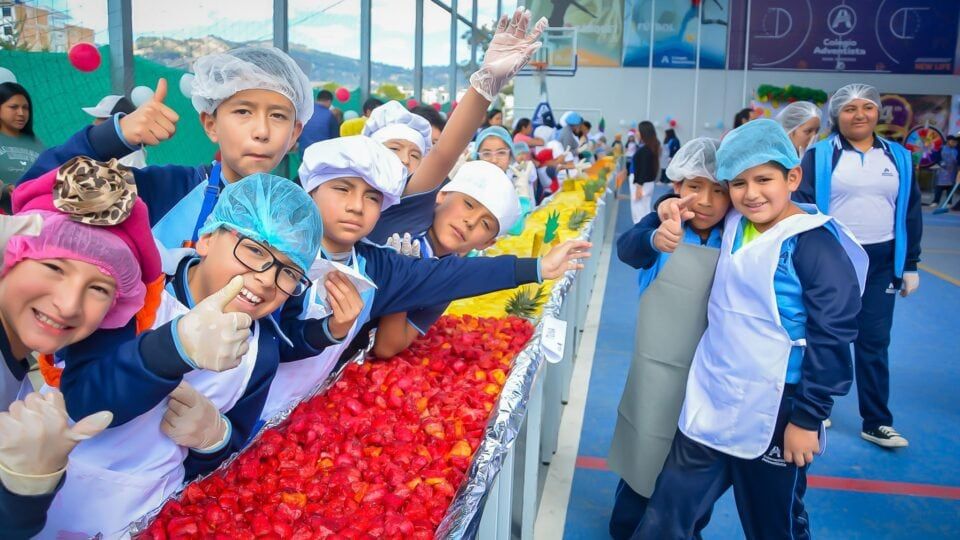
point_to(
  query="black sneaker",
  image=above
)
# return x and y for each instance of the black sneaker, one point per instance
(885, 436)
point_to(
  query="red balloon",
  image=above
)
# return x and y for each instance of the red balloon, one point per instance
(437, 107)
(84, 56)
(453, 105)
(343, 95)
(411, 103)
(673, 123)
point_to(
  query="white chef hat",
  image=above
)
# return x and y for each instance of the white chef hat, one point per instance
(393, 121)
(489, 185)
(357, 156)
(544, 132)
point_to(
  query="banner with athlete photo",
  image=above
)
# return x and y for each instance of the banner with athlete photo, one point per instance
(599, 25)
(878, 36)
(675, 27)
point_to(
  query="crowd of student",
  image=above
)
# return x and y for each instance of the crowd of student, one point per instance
(174, 309)
(775, 254)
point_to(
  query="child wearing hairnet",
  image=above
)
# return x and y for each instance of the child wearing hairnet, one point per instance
(476, 207)
(775, 353)
(352, 180)
(409, 135)
(67, 271)
(867, 182)
(674, 289)
(801, 121)
(189, 393)
(253, 103)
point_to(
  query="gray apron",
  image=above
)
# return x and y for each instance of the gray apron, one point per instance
(671, 318)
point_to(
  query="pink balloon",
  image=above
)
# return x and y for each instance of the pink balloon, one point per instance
(84, 56)
(411, 103)
(343, 95)
(437, 107)
(453, 105)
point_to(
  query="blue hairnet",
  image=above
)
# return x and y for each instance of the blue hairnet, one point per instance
(272, 210)
(521, 147)
(498, 132)
(754, 143)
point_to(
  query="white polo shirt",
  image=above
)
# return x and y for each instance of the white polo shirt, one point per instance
(863, 193)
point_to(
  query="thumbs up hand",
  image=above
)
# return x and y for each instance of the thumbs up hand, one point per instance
(670, 233)
(152, 122)
(212, 339)
(35, 440)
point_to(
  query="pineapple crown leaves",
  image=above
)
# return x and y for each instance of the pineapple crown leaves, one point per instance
(553, 224)
(577, 219)
(525, 301)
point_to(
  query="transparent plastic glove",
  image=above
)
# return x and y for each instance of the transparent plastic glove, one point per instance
(26, 224)
(35, 440)
(192, 420)
(153, 122)
(404, 246)
(911, 282)
(213, 339)
(510, 49)
(566, 256)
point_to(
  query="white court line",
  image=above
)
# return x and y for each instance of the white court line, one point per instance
(552, 515)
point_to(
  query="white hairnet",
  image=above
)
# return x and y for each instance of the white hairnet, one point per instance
(357, 156)
(491, 187)
(219, 76)
(752, 144)
(849, 93)
(696, 158)
(796, 114)
(393, 121)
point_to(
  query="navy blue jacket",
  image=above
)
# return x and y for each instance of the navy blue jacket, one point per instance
(23, 516)
(831, 299)
(160, 186)
(407, 284)
(914, 221)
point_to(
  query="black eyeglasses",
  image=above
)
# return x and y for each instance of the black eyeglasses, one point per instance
(258, 258)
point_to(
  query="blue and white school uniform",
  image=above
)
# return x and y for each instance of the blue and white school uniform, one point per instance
(128, 470)
(781, 312)
(875, 195)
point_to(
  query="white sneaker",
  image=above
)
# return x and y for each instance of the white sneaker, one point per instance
(885, 436)
(827, 423)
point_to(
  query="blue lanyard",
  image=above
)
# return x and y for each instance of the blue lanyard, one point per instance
(210, 196)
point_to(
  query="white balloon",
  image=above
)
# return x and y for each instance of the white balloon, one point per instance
(186, 84)
(7, 76)
(350, 115)
(141, 95)
(623, 122)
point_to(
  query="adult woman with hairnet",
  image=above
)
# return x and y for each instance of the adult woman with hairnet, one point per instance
(867, 183)
(801, 121)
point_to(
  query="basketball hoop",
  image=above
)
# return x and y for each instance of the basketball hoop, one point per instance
(538, 65)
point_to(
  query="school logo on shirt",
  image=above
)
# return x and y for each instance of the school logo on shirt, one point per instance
(774, 457)
(886, 172)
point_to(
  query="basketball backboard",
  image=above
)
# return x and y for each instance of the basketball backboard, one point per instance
(558, 55)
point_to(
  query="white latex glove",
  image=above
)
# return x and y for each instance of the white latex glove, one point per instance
(213, 339)
(911, 282)
(404, 246)
(35, 439)
(27, 224)
(510, 49)
(192, 420)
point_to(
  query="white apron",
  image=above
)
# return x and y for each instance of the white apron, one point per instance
(127, 471)
(738, 373)
(295, 380)
(640, 208)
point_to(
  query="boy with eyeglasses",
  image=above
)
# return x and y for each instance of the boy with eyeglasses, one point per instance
(214, 350)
